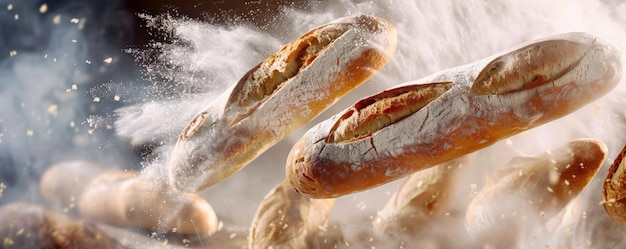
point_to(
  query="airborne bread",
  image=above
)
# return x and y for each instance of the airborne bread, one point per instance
(532, 188)
(124, 198)
(420, 200)
(25, 225)
(286, 219)
(449, 114)
(614, 190)
(63, 183)
(278, 96)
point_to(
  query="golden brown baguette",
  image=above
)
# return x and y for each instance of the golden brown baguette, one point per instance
(63, 183)
(416, 126)
(278, 96)
(25, 225)
(532, 189)
(286, 219)
(124, 198)
(421, 198)
(614, 190)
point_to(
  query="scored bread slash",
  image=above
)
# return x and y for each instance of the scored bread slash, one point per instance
(383, 109)
(286, 219)
(278, 96)
(489, 100)
(614, 190)
(532, 188)
(495, 78)
(271, 74)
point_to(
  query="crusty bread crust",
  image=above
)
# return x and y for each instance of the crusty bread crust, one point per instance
(286, 219)
(460, 121)
(533, 188)
(278, 96)
(521, 65)
(614, 190)
(383, 109)
(420, 199)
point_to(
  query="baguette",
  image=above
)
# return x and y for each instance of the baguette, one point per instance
(421, 198)
(63, 183)
(416, 126)
(123, 198)
(286, 219)
(532, 189)
(278, 96)
(26, 225)
(614, 190)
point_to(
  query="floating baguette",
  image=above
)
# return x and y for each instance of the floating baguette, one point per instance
(286, 219)
(421, 198)
(532, 189)
(63, 183)
(416, 126)
(614, 190)
(278, 96)
(24, 225)
(124, 198)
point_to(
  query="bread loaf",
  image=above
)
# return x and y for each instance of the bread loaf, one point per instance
(278, 96)
(421, 198)
(614, 190)
(286, 219)
(63, 183)
(451, 113)
(124, 198)
(25, 225)
(532, 189)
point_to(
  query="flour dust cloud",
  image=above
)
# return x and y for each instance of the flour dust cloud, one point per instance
(57, 94)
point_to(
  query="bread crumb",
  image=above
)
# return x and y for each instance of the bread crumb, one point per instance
(2, 188)
(52, 109)
(8, 241)
(56, 19)
(43, 8)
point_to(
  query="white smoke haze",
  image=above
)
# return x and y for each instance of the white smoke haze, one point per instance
(206, 58)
